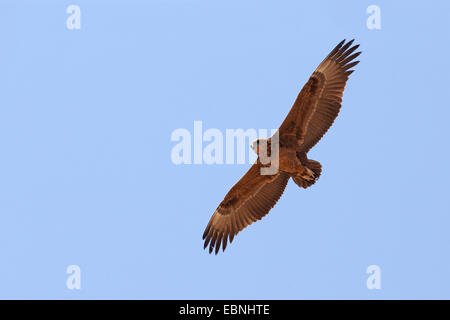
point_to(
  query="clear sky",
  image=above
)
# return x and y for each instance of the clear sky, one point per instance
(86, 176)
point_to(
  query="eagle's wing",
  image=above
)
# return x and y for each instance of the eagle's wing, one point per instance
(319, 102)
(248, 200)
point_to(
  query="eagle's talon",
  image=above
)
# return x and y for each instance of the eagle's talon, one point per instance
(308, 175)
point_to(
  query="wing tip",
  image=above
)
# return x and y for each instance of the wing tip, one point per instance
(344, 47)
(215, 242)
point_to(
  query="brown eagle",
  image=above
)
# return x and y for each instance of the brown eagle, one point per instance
(312, 114)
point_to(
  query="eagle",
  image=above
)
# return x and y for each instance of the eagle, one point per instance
(314, 111)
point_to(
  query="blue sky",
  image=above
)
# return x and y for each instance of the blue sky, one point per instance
(86, 176)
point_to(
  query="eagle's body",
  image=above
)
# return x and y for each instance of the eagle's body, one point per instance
(312, 114)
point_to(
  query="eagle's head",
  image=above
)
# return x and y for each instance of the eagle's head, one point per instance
(256, 143)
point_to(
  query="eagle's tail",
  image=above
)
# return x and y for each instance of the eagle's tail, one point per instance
(315, 167)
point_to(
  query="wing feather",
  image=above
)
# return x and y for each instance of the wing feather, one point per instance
(319, 102)
(250, 199)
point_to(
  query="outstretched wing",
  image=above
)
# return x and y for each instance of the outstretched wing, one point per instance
(250, 199)
(319, 102)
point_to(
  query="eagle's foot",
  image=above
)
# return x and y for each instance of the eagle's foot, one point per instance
(308, 175)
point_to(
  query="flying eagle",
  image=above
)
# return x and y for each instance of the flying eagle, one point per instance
(312, 114)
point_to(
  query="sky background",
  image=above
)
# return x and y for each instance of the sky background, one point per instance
(86, 176)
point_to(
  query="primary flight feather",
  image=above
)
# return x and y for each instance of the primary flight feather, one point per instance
(314, 111)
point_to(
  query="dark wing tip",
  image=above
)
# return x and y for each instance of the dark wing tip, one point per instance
(224, 242)
(346, 46)
(217, 244)
(351, 65)
(345, 56)
(216, 241)
(336, 49)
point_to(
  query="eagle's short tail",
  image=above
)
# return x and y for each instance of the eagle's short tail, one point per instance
(315, 167)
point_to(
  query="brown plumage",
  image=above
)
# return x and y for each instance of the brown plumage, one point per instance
(312, 114)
